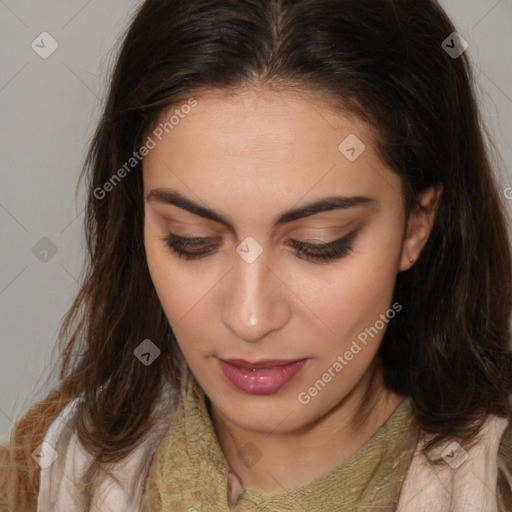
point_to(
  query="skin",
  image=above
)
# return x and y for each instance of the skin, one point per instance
(250, 156)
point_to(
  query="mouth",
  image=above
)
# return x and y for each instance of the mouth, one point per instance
(260, 377)
(260, 365)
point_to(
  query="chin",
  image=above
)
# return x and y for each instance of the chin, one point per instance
(263, 413)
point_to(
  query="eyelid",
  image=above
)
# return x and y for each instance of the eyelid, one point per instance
(216, 239)
(196, 239)
(323, 253)
(343, 239)
(300, 245)
(324, 224)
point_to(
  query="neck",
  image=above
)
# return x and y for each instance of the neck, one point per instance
(313, 449)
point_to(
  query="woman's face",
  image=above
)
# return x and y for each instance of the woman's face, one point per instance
(253, 170)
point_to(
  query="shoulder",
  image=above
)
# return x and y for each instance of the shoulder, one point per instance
(53, 454)
(5, 463)
(20, 456)
(64, 461)
(504, 459)
(462, 477)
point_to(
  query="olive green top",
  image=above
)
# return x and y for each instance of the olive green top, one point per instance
(189, 472)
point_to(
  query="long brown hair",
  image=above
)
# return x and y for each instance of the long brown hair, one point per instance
(380, 60)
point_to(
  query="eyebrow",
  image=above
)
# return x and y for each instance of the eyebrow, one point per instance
(173, 197)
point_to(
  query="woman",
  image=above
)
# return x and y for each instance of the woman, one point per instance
(299, 284)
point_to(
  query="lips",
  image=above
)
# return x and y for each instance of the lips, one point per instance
(269, 363)
(260, 377)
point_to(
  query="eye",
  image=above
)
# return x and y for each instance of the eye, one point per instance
(195, 248)
(325, 253)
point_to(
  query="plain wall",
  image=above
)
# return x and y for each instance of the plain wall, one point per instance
(49, 107)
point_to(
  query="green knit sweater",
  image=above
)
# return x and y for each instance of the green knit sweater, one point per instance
(189, 472)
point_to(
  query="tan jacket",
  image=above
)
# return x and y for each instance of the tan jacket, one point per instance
(465, 483)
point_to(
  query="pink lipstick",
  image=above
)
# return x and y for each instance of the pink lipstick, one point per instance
(262, 377)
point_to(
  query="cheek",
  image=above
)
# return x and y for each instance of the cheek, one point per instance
(356, 292)
(179, 302)
(182, 291)
(166, 279)
(175, 297)
(174, 290)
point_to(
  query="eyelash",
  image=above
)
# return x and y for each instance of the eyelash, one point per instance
(319, 253)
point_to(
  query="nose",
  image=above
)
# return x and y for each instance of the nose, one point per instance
(255, 299)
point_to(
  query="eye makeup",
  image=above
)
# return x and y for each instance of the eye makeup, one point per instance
(198, 247)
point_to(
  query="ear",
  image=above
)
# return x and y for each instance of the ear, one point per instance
(421, 221)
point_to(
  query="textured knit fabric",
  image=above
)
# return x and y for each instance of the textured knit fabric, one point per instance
(461, 484)
(464, 482)
(190, 473)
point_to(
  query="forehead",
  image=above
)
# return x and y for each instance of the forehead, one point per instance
(266, 147)
(244, 120)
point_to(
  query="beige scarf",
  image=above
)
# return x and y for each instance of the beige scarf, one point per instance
(465, 483)
(189, 470)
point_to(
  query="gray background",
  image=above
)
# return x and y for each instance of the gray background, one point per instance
(49, 109)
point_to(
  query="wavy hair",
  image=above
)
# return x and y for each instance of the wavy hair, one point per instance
(380, 60)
